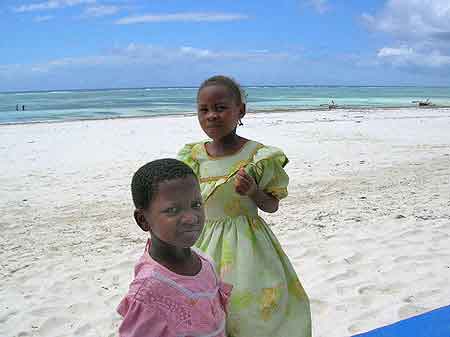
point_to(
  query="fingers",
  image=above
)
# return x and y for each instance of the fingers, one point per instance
(241, 185)
(243, 177)
(241, 174)
(243, 182)
(240, 190)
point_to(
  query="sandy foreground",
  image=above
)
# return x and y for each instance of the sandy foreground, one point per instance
(366, 225)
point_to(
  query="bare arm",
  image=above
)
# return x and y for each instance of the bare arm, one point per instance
(246, 185)
(265, 201)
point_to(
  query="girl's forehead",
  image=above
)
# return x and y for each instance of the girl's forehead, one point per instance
(177, 187)
(215, 92)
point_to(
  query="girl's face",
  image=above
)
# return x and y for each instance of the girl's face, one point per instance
(218, 113)
(176, 215)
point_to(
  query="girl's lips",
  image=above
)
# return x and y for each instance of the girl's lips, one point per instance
(192, 229)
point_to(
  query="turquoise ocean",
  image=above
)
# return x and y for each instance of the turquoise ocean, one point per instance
(51, 106)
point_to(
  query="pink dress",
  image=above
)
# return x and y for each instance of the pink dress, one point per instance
(161, 303)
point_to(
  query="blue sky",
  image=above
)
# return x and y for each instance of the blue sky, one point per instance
(63, 44)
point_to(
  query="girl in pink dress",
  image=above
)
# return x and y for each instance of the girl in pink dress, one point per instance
(176, 291)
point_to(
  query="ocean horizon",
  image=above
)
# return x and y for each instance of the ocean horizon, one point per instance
(81, 104)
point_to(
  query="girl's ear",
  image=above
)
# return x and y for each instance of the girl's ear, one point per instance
(140, 219)
(242, 110)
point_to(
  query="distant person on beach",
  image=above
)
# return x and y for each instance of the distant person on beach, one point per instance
(175, 291)
(17, 107)
(23, 107)
(238, 177)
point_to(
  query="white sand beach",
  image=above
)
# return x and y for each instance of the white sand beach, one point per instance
(366, 224)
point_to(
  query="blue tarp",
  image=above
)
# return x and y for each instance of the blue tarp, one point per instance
(435, 323)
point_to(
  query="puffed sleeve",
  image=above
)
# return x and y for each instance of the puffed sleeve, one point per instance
(269, 163)
(188, 155)
(141, 319)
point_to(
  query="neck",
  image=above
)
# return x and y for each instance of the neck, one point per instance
(167, 254)
(229, 142)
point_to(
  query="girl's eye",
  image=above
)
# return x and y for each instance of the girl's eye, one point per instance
(197, 204)
(171, 210)
(203, 110)
(221, 108)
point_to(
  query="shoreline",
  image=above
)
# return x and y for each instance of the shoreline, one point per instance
(251, 112)
(244, 86)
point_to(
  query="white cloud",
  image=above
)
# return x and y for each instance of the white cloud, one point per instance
(412, 19)
(181, 17)
(136, 54)
(142, 65)
(395, 52)
(43, 18)
(101, 10)
(420, 30)
(51, 4)
(197, 52)
(408, 56)
(69, 61)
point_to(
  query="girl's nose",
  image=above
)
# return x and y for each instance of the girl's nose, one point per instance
(212, 115)
(189, 217)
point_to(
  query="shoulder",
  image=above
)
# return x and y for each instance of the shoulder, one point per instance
(141, 301)
(190, 154)
(222, 289)
(146, 283)
(190, 151)
(265, 153)
(158, 294)
(143, 309)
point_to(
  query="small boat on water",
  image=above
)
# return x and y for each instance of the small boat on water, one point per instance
(427, 102)
(331, 105)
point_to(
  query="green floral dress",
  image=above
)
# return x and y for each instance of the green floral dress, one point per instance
(267, 298)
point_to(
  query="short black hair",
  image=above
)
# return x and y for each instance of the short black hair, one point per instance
(144, 184)
(237, 93)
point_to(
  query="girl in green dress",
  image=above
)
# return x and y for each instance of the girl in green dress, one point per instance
(237, 177)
